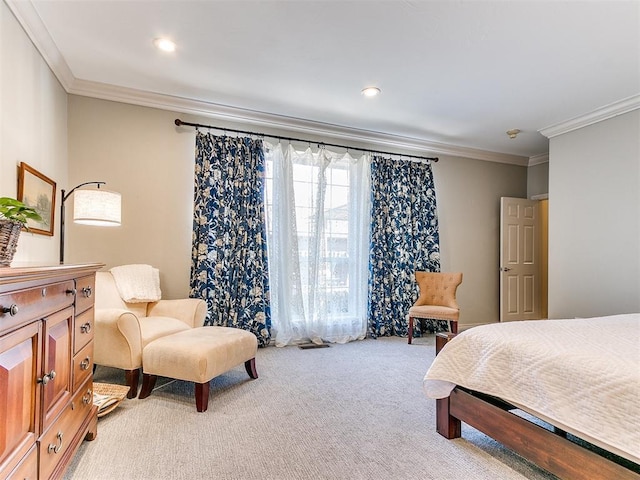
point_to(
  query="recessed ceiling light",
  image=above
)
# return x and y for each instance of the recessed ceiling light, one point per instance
(370, 91)
(164, 44)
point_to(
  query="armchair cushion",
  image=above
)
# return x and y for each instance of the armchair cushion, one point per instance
(191, 311)
(153, 328)
(434, 311)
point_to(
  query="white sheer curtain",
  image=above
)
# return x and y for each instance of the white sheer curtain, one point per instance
(318, 208)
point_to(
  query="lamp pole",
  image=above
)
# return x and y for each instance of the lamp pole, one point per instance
(62, 211)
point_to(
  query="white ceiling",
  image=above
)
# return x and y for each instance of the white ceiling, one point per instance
(453, 73)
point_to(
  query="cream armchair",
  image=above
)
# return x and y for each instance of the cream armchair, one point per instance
(123, 329)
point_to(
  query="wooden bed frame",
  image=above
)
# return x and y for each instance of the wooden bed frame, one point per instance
(549, 450)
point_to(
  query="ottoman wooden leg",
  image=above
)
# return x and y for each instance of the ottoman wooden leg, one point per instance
(250, 366)
(202, 396)
(132, 377)
(148, 382)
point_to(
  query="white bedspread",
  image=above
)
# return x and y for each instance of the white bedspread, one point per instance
(582, 375)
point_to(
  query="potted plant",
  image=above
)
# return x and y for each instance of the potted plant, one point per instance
(13, 217)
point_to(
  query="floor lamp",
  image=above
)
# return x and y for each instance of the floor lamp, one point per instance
(91, 207)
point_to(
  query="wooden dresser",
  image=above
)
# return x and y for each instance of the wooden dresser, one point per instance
(46, 368)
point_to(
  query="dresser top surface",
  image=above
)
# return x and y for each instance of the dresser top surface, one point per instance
(39, 272)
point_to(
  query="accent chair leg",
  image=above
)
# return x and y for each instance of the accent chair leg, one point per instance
(131, 380)
(202, 396)
(454, 326)
(250, 366)
(410, 332)
(148, 382)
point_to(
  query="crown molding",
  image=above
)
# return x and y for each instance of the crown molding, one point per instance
(35, 29)
(608, 111)
(538, 159)
(290, 124)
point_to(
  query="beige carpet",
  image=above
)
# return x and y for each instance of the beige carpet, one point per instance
(353, 411)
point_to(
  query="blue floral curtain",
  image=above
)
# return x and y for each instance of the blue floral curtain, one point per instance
(229, 258)
(404, 238)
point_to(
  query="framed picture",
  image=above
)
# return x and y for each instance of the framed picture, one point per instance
(37, 191)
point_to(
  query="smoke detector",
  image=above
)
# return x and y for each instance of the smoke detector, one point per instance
(513, 133)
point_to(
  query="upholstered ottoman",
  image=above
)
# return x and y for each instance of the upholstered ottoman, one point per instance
(198, 355)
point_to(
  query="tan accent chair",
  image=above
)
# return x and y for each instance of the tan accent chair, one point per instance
(437, 299)
(122, 330)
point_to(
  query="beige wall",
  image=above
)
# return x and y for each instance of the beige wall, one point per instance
(468, 196)
(33, 126)
(141, 154)
(594, 219)
(544, 258)
(538, 179)
(137, 151)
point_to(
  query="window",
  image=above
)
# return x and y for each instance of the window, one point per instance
(317, 234)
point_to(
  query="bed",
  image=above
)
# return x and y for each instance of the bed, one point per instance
(581, 376)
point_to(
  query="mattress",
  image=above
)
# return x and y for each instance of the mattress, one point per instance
(582, 375)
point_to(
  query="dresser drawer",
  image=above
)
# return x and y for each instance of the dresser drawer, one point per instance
(85, 287)
(55, 441)
(82, 404)
(83, 330)
(28, 467)
(22, 306)
(82, 365)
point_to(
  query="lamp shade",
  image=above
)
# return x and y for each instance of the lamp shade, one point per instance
(97, 207)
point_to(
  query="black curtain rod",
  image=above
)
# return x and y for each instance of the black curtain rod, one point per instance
(180, 123)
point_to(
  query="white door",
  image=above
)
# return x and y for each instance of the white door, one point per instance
(519, 257)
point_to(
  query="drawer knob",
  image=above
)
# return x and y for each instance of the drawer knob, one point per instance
(12, 310)
(56, 448)
(84, 364)
(71, 291)
(47, 377)
(85, 327)
(87, 292)
(87, 397)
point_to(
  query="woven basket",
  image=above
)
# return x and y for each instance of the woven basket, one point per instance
(9, 233)
(116, 391)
